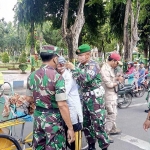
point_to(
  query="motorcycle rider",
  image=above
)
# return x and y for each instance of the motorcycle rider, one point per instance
(130, 72)
(141, 74)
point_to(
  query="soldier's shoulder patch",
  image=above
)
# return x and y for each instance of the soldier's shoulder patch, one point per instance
(91, 67)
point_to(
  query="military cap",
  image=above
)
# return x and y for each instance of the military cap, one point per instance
(83, 49)
(50, 49)
(116, 57)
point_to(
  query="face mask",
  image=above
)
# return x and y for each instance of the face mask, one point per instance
(61, 69)
(82, 59)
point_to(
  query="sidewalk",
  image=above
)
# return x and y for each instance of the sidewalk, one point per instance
(15, 78)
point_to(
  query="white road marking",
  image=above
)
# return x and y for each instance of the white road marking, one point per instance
(134, 141)
(140, 104)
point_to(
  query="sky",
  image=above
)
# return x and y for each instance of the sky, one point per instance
(6, 11)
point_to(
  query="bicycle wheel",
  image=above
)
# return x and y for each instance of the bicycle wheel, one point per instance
(125, 100)
(8, 143)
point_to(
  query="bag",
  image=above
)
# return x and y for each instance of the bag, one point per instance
(99, 92)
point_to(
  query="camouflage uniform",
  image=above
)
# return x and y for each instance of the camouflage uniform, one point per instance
(47, 87)
(88, 78)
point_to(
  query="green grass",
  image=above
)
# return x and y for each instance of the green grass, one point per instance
(3, 69)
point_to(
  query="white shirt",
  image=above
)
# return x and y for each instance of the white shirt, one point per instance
(73, 98)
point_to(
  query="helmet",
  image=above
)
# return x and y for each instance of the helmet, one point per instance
(131, 63)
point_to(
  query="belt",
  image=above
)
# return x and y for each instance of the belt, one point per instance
(50, 110)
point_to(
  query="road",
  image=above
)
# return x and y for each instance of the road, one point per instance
(130, 121)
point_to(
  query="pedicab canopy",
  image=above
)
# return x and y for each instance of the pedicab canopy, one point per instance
(83, 49)
(50, 49)
(1, 79)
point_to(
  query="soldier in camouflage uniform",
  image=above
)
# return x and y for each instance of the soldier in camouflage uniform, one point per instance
(87, 75)
(48, 90)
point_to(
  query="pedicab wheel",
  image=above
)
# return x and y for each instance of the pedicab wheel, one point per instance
(1, 90)
(9, 143)
(125, 101)
(141, 92)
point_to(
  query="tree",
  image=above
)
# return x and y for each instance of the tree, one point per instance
(71, 34)
(130, 36)
(70, 17)
(144, 28)
(5, 57)
(12, 38)
(52, 36)
(29, 13)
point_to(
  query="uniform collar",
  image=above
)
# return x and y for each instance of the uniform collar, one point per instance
(46, 66)
(108, 66)
(87, 64)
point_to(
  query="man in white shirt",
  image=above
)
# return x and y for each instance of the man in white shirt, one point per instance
(73, 101)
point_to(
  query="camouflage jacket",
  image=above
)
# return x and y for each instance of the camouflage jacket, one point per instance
(46, 86)
(87, 76)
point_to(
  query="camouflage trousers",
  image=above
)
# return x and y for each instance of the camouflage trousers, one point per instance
(94, 118)
(48, 132)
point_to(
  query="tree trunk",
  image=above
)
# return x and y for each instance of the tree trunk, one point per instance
(120, 47)
(32, 39)
(71, 35)
(32, 50)
(126, 34)
(146, 47)
(134, 28)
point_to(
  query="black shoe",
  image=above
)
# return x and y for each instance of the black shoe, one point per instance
(104, 149)
(110, 139)
(92, 146)
(147, 111)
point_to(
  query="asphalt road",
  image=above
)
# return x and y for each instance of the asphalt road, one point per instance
(129, 120)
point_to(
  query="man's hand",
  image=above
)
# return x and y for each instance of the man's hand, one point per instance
(70, 65)
(146, 125)
(120, 79)
(70, 136)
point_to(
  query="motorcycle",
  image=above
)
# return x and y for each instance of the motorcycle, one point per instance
(124, 95)
(137, 93)
(146, 81)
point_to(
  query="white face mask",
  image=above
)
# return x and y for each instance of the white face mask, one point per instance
(81, 58)
(61, 69)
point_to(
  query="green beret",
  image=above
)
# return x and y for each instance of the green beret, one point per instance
(50, 49)
(83, 49)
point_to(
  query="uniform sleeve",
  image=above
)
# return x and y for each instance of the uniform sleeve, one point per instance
(29, 91)
(60, 89)
(87, 76)
(106, 78)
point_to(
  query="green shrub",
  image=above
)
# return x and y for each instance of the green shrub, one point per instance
(23, 67)
(16, 58)
(23, 57)
(5, 58)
